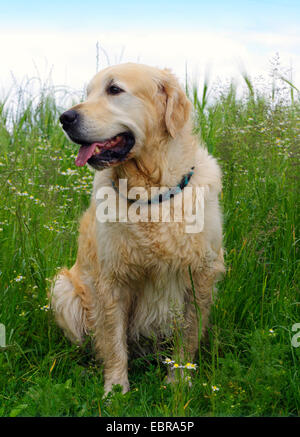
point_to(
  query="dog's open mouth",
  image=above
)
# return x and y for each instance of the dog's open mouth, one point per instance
(106, 153)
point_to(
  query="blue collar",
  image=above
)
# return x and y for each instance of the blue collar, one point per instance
(171, 192)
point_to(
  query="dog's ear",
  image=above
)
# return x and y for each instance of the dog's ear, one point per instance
(178, 106)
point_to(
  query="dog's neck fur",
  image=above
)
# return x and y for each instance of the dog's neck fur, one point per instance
(160, 168)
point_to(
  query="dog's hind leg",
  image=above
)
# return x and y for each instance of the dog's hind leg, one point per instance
(70, 301)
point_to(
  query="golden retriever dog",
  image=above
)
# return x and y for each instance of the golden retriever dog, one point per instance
(131, 278)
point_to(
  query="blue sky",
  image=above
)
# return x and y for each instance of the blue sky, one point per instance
(230, 14)
(61, 35)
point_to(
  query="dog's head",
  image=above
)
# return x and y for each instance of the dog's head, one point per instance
(128, 107)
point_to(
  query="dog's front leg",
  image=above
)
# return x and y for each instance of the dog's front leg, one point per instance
(197, 311)
(111, 335)
(195, 322)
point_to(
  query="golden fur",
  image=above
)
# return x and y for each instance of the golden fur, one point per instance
(130, 279)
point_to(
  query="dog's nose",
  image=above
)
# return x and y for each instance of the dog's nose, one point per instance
(69, 117)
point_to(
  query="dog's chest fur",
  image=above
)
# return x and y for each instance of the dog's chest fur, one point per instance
(142, 255)
(152, 260)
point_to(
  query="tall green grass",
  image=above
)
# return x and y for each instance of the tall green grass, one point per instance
(247, 364)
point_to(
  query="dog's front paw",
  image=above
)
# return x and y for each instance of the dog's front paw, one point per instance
(108, 386)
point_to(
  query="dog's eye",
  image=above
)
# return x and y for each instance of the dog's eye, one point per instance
(114, 89)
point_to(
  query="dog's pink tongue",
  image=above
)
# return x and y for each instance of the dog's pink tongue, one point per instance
(84, 154)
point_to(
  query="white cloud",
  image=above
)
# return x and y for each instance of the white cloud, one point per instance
(73, 55)
(279, 40)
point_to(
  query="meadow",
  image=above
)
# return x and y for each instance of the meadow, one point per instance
(247, 365)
